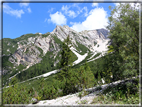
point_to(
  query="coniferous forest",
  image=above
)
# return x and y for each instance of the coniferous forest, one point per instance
(121, 62)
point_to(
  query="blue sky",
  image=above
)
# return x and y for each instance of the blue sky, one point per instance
(24, 18)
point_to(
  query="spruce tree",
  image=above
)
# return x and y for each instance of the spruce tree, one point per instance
(65, 65)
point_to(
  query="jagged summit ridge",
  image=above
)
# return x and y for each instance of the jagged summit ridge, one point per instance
(86, 37)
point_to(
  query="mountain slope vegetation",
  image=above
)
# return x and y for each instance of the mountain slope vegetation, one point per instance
(106, 62)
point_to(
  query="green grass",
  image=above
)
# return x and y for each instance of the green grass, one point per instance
(58, 41)
(82, 48)
(5, 46)
(46, 35)
(96, 55)
(123, 93)
(104, 99)
(5, 62)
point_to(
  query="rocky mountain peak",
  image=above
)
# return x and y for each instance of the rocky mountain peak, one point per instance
(30, 48)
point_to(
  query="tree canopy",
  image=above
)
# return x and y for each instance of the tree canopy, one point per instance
(124, 36)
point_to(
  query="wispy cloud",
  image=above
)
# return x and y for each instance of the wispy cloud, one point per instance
(8, 10)
(68, 12)
(80, 10)
(96, 19)
(26, 7)
(24, 4)
(86, 11)
(29, 10)
(50, 10)
(57, 18)
(46, 20)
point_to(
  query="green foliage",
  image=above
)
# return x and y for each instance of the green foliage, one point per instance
(96, 55)
(46, 35)
(16, 95)
(65, 55)
(123, 93)
(58, 41)
(124, 35)
(26, 36)
(10, 44)
(13, 81)
(82, 48)
(65, 65)
(5, 62)
(85, 77)
(41, 51)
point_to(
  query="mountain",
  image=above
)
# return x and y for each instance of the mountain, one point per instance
(32, 51)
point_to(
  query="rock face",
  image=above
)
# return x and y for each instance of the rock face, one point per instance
(30, 50)
(86, 38)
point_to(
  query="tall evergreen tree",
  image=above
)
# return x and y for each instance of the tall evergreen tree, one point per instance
(65, 64)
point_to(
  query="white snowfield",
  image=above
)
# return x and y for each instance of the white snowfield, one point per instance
(101, 47)
(43, 75)
(80, 57)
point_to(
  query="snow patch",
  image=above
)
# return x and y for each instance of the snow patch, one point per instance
(80, 57)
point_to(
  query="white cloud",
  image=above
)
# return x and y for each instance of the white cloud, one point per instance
(94, 4)
(97, 19)
(24, 4)
(64, 8)
(8, 10)
(49, 11)
(80, 10)
(71, 14)
(68, 12)
(58, 18)
(29, 10)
